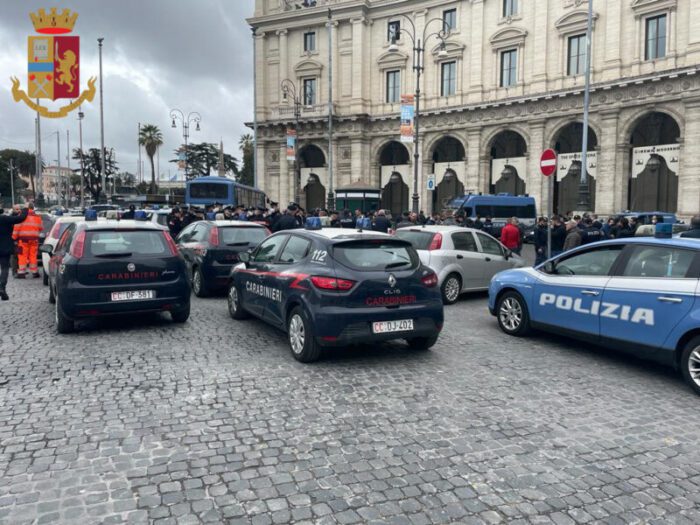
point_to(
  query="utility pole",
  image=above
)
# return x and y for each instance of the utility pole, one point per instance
(331, 195)
(68, 184)
(583, 191)
(255, 111)
(39, 171)
(12, 180)
(102, 127)
(58, 156)
(138, 141)
(81, 115)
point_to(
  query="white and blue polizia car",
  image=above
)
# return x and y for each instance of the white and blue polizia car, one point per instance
(639, 295)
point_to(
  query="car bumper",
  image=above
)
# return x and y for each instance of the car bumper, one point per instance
(216, 275)
(82, 302)
(356, 324)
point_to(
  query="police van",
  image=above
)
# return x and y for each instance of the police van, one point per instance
(499, 207)
(638, 295)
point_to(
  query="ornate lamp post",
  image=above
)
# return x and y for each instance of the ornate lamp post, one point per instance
(418, 53)
(289, 89)
(192, 117)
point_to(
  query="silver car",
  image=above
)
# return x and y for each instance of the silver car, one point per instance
(464, 259)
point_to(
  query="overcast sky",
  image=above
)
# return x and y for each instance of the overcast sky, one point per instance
(195, 55)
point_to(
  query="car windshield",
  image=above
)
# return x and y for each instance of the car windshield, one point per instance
(232, 235)
(118, 242)
(376, 255)
(419, 239)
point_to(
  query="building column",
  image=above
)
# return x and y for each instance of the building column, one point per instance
(688, 181)
(360, 161)
(358, 52)
(693, 21)
(472, 181)
(261, 80)
(426, 197)
(610, 179)
(476, 34)
(263, 181)
(538, 63)
(284, 71)
(284, 180)
(535, 183)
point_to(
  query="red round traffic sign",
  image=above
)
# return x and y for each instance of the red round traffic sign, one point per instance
(548, 162)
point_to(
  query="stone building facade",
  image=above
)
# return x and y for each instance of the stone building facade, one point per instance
(507, 84)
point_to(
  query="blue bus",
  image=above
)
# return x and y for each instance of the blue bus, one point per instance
(499, 207)
(205, 191)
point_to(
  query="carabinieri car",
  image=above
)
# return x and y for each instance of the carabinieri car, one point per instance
(335, 287)
(114, 267)
(638, 295)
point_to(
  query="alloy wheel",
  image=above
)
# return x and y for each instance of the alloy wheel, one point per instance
(296, 334)
(452, 289)
(694, 365)
(510, 314)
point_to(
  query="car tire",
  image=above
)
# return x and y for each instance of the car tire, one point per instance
(512, 314)
(233, 298)
(301, 338)
(52, 296)
(690, 364)
(63, 324)
(422, 343)
(182, 315)
(198, 286)
(451, 288)
(45, 277)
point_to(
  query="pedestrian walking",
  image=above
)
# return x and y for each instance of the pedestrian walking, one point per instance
(540, 241)
(573, 235)
(7, 245)
(26, 234)
(381, 223)
(510, 235)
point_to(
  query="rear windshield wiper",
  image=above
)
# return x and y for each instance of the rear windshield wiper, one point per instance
(396, 264)
(244, 243)
(115, 254)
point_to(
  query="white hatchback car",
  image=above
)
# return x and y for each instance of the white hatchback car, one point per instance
(59, 226)
(464, 259)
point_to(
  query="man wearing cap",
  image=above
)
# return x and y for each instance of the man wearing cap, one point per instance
(7, 245)
(287, 221)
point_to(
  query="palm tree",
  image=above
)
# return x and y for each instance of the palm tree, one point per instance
(151, 138)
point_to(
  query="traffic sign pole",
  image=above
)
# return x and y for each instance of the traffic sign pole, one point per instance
(548, 166)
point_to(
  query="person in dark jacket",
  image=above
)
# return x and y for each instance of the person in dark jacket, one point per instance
(7, 245)
(694, 231)
(540, 241)
(129, 214)
(558, 236)
(590, 233)
(624, 229)
(286, 221)
(381, 223)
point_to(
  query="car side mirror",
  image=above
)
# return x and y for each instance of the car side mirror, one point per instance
(244, 257)
(550, 268)
(46, 248)
(507, 254)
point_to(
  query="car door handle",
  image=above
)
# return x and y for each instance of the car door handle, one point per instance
(590, 292)
(665, 299)
(487, 259)
(460, 257)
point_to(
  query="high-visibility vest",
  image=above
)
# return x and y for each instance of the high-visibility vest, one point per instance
(29, 229)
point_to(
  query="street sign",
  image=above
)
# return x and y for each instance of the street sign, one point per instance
(431, 182)
(548, 162)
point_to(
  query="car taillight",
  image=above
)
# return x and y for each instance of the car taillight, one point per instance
(214, 236)
(78, 245)
(331, 283)
(171, 243)
(436, 243)
(430, 280)
(53, 234)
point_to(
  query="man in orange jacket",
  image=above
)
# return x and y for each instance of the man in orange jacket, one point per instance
(26, 234)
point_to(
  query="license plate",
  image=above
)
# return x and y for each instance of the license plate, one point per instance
(387, 327)
(137, 295)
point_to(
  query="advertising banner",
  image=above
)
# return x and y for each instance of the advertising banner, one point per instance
(408, 112)
(291, 144)
(566, 159)
(669, 152)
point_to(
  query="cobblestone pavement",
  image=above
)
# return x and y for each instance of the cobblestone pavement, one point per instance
(138, 420)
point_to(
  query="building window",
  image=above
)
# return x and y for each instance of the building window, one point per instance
(393, 86)
(655, 37)
(510, 7)
(509, 68)
(393, 31)
(449, 79)
(449, 20)
(309, 91)
(310, 41)
(577, 55)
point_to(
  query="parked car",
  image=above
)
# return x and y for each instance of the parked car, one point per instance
(464, 259)
(211, 248)
(59, 226)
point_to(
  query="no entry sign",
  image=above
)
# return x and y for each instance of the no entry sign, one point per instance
(548, 162)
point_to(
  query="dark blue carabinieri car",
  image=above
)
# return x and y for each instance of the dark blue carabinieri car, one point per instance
(101, 268)
(336, 287)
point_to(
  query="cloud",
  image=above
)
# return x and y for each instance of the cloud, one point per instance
(157, 55)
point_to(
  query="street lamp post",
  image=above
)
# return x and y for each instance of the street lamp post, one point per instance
(418, 53)
(289, 89)
(102, 127)
(176, 114)
(81, 115)
(583, 192)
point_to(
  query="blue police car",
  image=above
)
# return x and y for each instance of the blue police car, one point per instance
(335, 287)
(638, 295)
